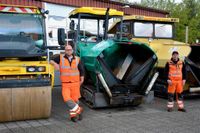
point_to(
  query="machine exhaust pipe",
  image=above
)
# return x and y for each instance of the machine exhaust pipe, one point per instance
(103, 82)
(155, 76)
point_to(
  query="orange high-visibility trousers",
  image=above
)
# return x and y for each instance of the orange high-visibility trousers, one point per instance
(71, 91)
(177, 86)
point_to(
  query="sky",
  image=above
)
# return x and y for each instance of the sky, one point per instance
(140, 0)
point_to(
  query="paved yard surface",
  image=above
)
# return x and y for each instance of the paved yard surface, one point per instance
(147, 118)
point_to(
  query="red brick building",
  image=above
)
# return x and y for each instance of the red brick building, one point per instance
(130, 10)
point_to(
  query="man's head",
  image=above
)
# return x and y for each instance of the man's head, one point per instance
(69, 49)
(175, 55)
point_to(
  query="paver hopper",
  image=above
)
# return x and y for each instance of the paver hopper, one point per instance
(118, 70)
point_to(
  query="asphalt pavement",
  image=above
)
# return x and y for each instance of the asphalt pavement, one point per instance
(146, 118)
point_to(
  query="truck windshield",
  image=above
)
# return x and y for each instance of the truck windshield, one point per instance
(23, 24)
(163, 30)
(143, 29)
(148, 29)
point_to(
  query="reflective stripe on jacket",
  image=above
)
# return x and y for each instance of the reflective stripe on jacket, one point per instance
(69, 73)
(175, 70)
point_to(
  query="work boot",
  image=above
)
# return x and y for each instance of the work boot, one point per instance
(182, 110)
(80, 116)
(169, 109)
(74, 119)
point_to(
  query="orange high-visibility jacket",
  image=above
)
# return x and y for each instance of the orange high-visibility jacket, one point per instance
(69, 73)
(175, 70)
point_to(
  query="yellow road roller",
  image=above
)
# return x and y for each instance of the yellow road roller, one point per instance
(25, 73)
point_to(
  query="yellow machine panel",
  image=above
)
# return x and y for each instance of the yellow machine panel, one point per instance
(158, 34)
(95, 11)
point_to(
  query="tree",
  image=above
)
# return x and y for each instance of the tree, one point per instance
(158, 4)
(188, 13)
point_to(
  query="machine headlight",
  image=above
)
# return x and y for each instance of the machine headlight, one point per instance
(31, 69)
(36, 69)
(41, 69)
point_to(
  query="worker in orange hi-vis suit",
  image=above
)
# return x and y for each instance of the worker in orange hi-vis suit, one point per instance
(71, 76)
(176, 78)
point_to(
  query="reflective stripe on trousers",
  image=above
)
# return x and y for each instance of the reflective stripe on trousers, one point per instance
(170, 104)
(180, 104)
(75, 111)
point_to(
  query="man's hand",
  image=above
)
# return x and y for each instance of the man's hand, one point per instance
(56, 66)
(81, 80)
(169, 82)
(184, 82)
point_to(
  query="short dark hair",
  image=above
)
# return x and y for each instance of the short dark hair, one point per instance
(174, 52)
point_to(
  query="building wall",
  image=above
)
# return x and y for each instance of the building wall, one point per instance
(22, 2)
(57, 18)
(132, 10)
